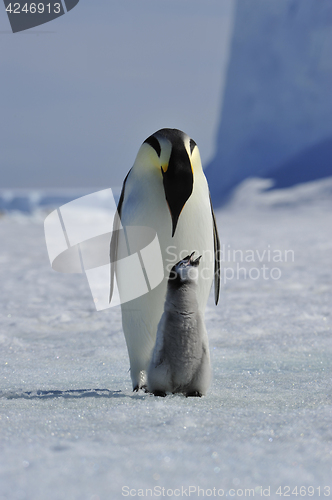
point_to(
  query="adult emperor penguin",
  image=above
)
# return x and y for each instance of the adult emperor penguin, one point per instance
(167, 191)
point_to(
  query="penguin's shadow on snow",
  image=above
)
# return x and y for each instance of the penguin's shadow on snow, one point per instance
(68, 394)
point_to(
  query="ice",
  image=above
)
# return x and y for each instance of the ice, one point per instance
(72, 429)
(275, 117)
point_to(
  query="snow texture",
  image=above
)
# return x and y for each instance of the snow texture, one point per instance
(71, 428)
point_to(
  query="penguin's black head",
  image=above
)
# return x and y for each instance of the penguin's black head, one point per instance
(174, 149)
(185, 271)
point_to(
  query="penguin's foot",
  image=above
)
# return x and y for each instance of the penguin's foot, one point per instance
(193, 394)
(162, 394)
(143, 387)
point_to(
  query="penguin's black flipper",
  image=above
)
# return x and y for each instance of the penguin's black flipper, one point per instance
(216, 256)
(115, 236)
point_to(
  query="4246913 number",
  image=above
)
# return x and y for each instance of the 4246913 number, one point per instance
(302, 491)
(34, 8)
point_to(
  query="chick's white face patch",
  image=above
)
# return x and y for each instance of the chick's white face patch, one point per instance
(187, 273)
(78, 237)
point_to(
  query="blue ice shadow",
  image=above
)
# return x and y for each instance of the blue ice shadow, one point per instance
(309, 165)
(68, 394)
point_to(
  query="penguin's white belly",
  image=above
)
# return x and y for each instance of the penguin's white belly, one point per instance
(194, 232)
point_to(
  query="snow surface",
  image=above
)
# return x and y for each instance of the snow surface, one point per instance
(72, 429)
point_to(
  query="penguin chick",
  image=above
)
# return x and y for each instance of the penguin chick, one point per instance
(180, 361)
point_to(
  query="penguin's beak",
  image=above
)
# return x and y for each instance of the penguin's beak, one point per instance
(194, 262)
(178, 180)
